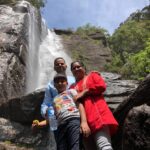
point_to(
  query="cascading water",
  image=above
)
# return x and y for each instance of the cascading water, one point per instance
(32, 59)
(41, 55)
(50, 48)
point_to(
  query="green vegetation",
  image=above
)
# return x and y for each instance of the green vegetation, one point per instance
(138, 65)
(36, 3)
(89, 29)
(130, 46)
(130, 38)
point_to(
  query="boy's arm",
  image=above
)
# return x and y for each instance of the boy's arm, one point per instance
(36, 123)
(43, 123)
(50, 93)
(84, 125)
(46, 101)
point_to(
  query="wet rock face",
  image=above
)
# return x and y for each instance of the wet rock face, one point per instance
(13, 49)
(12, 77)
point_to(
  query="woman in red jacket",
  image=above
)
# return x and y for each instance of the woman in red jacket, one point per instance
(99, 117)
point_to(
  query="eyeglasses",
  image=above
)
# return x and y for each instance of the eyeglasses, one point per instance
(76, 67)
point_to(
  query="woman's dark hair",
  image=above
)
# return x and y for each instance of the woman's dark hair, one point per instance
(77, 61)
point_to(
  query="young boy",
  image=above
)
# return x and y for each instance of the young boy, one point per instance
(68, 116)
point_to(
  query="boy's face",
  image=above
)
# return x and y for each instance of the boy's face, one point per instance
(60, 84)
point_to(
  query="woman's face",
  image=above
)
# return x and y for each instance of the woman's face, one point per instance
(78, 71)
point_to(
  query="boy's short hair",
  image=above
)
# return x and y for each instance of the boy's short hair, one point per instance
(59, 76)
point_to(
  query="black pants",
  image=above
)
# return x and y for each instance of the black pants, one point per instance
(68, 135)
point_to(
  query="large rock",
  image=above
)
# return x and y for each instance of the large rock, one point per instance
(136, 129)
(117, 90)
(23, 109)
(12, 81)
(24, 137)
(12, 55)
(14, 48)
(134, 119)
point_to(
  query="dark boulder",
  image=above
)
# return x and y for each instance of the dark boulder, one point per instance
(23, 109)
(133, 116)
(136, 129)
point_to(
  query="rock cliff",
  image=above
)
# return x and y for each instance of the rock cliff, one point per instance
(92, 49)
(14, 48)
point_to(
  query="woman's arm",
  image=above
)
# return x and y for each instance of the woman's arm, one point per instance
(84, 125)
(95, 84)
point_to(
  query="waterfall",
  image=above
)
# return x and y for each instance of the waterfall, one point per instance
(33, 50)
(50, 48)
(42, 54)
(43, 47)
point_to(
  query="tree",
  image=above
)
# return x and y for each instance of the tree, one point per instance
(129, 45)
(138, 64)
(90, 29)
